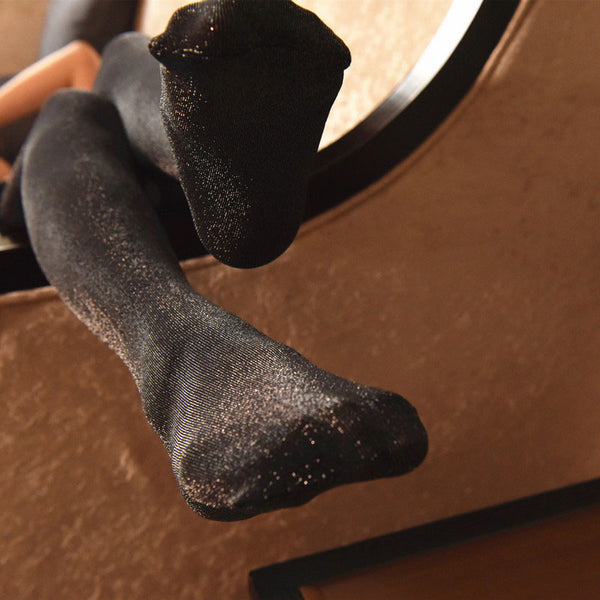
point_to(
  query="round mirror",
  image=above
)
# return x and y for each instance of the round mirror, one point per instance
(385, 38)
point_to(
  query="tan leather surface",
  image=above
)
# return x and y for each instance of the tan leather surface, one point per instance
(467, 280)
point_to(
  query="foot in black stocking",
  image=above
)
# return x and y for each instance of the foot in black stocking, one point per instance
(250, 425)
(253, 426)
(246, 89)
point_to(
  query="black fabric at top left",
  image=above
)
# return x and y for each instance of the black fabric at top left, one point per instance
(94, 21)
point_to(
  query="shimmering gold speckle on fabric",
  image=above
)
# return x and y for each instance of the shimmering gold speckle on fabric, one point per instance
(468, 279)
(246, 90)
(229, 403)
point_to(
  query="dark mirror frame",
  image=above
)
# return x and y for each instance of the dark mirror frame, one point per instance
(416, 107)
(391, 133)
(283, 581)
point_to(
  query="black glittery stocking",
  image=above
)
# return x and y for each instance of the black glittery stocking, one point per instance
(250, 425)
(246, 89)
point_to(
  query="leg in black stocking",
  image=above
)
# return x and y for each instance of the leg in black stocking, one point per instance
(250, 425)
(246, 90)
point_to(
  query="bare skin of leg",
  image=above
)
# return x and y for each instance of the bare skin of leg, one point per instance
(74, 66)
(5, 170)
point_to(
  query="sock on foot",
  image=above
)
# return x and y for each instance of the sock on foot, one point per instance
(253, 426)
(246, 89)
(249, 424)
